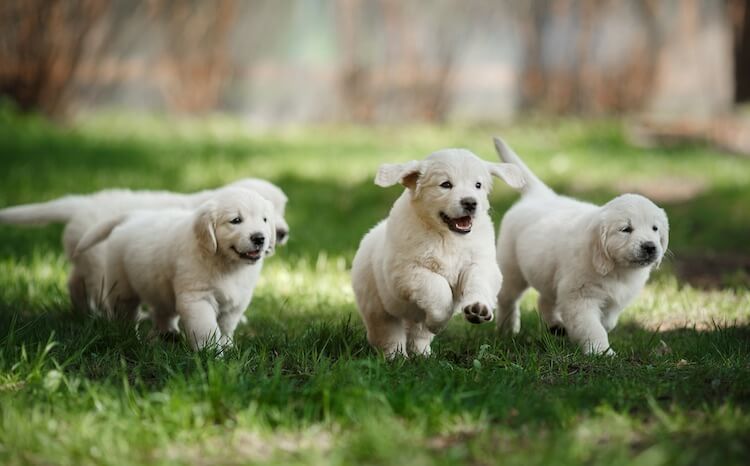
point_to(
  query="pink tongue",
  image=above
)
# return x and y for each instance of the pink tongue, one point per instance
(463, 223)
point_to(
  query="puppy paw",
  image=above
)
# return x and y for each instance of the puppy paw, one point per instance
(477, 313)
(167, 337)
(557, 330)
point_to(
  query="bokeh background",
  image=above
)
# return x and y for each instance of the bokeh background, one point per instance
(378, 60)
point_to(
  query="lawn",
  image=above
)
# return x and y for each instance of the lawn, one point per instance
(302, 385)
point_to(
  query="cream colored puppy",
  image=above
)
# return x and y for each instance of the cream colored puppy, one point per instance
(198, 265)
(587, 262)
(81, 212)
(434, 254)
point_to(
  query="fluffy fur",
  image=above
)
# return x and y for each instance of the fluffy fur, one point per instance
(434, 254)
(587, 262)
(82, 212)
(197, 265)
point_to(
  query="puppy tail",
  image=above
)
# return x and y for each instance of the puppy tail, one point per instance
(534, 186)
(42, 213)
(97, 234)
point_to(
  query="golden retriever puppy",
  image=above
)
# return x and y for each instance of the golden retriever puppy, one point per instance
(587, 262)
(80, 213)
(434, 254)
(197, 266)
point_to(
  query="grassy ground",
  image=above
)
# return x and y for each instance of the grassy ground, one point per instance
(302, 386)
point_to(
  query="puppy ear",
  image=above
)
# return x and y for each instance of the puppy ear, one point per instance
(603, 264)
(271, 219)
(405, 173)
(204, 227)
(507, 172)
(663, 236)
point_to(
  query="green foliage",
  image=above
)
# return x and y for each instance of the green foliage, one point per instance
(302, 386)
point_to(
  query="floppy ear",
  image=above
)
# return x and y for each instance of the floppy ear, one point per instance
(507, 172)
(271, 217)
(204, 227)
(600, 259)
(404, 173)
(663, 237)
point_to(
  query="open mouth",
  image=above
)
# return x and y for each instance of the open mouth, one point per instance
(460, 225)
(643, 262)
(251, 256)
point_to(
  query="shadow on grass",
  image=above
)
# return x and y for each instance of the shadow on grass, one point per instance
(315, 367)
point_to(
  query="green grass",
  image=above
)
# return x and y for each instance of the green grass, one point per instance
(302, 386)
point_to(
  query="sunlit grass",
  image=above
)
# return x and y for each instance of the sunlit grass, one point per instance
(302, 385)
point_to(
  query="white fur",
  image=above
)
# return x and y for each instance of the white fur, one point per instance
(411, 272)
(81, 212)
(186, 264)
(575, 255)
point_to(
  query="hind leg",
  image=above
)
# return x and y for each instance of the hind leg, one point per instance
(508, 314)
(550, 315)
(419, 338)
(165, 325)
(122, 302)
(77, 291)
(384, 331)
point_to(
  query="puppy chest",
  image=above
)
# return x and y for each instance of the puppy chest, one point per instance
(233, 295)
(450, 270)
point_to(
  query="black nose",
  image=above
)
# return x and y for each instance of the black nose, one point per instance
(469, 204)
(258, 239)
(281, 234)
(649, 248)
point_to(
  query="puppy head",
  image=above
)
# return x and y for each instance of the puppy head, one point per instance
(450, 187)
(236, 225)
(631, 232)
(277, 198)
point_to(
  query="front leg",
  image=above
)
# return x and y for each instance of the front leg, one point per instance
(419, 338)
(228, 322)
(198, 320)
(430, 292)
(583, 323)
(479, 286)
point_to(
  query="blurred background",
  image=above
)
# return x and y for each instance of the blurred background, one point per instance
(377, 60)
(600, 97)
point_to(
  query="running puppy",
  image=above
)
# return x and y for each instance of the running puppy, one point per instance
(434, 254)
(80, 213)
(198, 265)
(587, 262)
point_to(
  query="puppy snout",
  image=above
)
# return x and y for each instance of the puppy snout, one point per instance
(258, 239)
(469, 204)
(281, 235)
(649, 248)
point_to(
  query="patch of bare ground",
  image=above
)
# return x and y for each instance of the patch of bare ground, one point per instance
(713, 271)
(665, 189)
(245, 446)
(729, 134)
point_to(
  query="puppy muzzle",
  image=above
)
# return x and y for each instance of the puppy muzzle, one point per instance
(252, 254)
(461, 225)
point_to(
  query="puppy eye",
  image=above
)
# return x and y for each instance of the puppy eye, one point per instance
(627, 229)
(655, 228)
(446, 185)
(265, 219)
(236, 221)
(478, 185)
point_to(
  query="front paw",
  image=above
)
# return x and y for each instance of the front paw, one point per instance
(477, 313)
